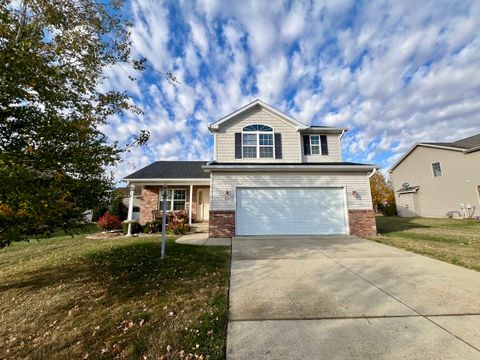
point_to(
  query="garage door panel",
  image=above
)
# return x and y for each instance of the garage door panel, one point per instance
(290, 211)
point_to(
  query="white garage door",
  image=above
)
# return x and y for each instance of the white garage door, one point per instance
(290, 211)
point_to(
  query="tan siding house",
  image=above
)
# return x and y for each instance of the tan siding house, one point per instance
(439, 179)
(270, 175)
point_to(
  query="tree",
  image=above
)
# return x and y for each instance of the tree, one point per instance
(53, 154)
(382, 191)
(118, 207)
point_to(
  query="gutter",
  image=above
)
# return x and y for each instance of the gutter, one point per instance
(306, 168)
(472, 150)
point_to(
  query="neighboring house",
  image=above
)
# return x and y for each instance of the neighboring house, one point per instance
(439, 179)
(270, 175)
(125, 192)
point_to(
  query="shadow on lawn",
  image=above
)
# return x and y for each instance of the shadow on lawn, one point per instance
(128, 269)
(116, 283)
(391, 224)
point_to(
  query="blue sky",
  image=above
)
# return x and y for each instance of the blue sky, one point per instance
(394, 72)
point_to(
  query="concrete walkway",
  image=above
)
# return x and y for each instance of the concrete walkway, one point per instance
(339, 297)
(199, 237)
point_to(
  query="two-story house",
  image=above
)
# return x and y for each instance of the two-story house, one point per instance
(270, 175)
(439, 179)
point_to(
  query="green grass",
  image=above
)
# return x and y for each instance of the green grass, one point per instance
(71, 297)
(452, 240)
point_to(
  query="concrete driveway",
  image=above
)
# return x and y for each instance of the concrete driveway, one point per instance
(343, 297)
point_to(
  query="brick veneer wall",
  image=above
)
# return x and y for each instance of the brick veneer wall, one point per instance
(149, 200)
(362, 223)
(221, 223)
(148, 203)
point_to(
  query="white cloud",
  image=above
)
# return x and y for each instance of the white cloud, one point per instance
(199, 36)
(395, 72)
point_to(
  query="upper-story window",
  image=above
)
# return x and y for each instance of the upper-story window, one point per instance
(437, 169)
(315, 145)
(257, 142)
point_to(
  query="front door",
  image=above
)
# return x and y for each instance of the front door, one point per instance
(203, 204)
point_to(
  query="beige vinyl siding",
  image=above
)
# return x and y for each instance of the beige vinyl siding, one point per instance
(226, 137)
(229, 181)
(334, 150)
(439, 195)
(407, 204)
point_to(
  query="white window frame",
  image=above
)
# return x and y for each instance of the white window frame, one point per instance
(319, 145)
(258, 146)
(441, 170)
(172, 200)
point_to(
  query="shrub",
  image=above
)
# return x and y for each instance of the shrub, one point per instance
(181, 215)
(390, 210)
(178, 227)
(109, 222)
(152, 227)
(98, 212)
(118, 208)
(136, 228)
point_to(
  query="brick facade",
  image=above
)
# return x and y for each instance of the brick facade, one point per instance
(148, 203)
(362, 223)
(149, 200)
(222, 223)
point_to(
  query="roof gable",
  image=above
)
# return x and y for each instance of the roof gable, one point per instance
(258, 104)
(442, 146)
(466, 145)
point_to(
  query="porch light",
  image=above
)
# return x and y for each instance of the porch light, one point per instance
(227, 194)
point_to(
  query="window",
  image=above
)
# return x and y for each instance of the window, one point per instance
(176, 200)
(257, 142)
(437, 169)
(249, 145)
(315, 144)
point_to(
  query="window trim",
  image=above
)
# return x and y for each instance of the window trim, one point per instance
(433, 171)
(172, 200)
(319, 145)
(320, 150)
(258, 146)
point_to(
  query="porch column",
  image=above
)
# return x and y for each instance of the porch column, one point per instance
(190, 206)
(130, 210)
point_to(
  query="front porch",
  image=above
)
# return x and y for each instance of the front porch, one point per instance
(191, 197)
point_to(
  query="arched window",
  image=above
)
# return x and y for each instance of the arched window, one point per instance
(257, 141)
(257, 127)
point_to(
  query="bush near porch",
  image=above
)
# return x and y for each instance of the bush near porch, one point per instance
(71, 297)
(456, 241)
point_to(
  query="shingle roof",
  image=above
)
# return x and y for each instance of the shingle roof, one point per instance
(469, 142)
(171, 170)
(452, 145)
(466, 143)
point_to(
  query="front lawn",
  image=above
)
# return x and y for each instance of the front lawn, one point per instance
(76, 298)
(453, 240)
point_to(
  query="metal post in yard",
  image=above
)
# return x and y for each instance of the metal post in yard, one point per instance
(164, 217)
(130, 210)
